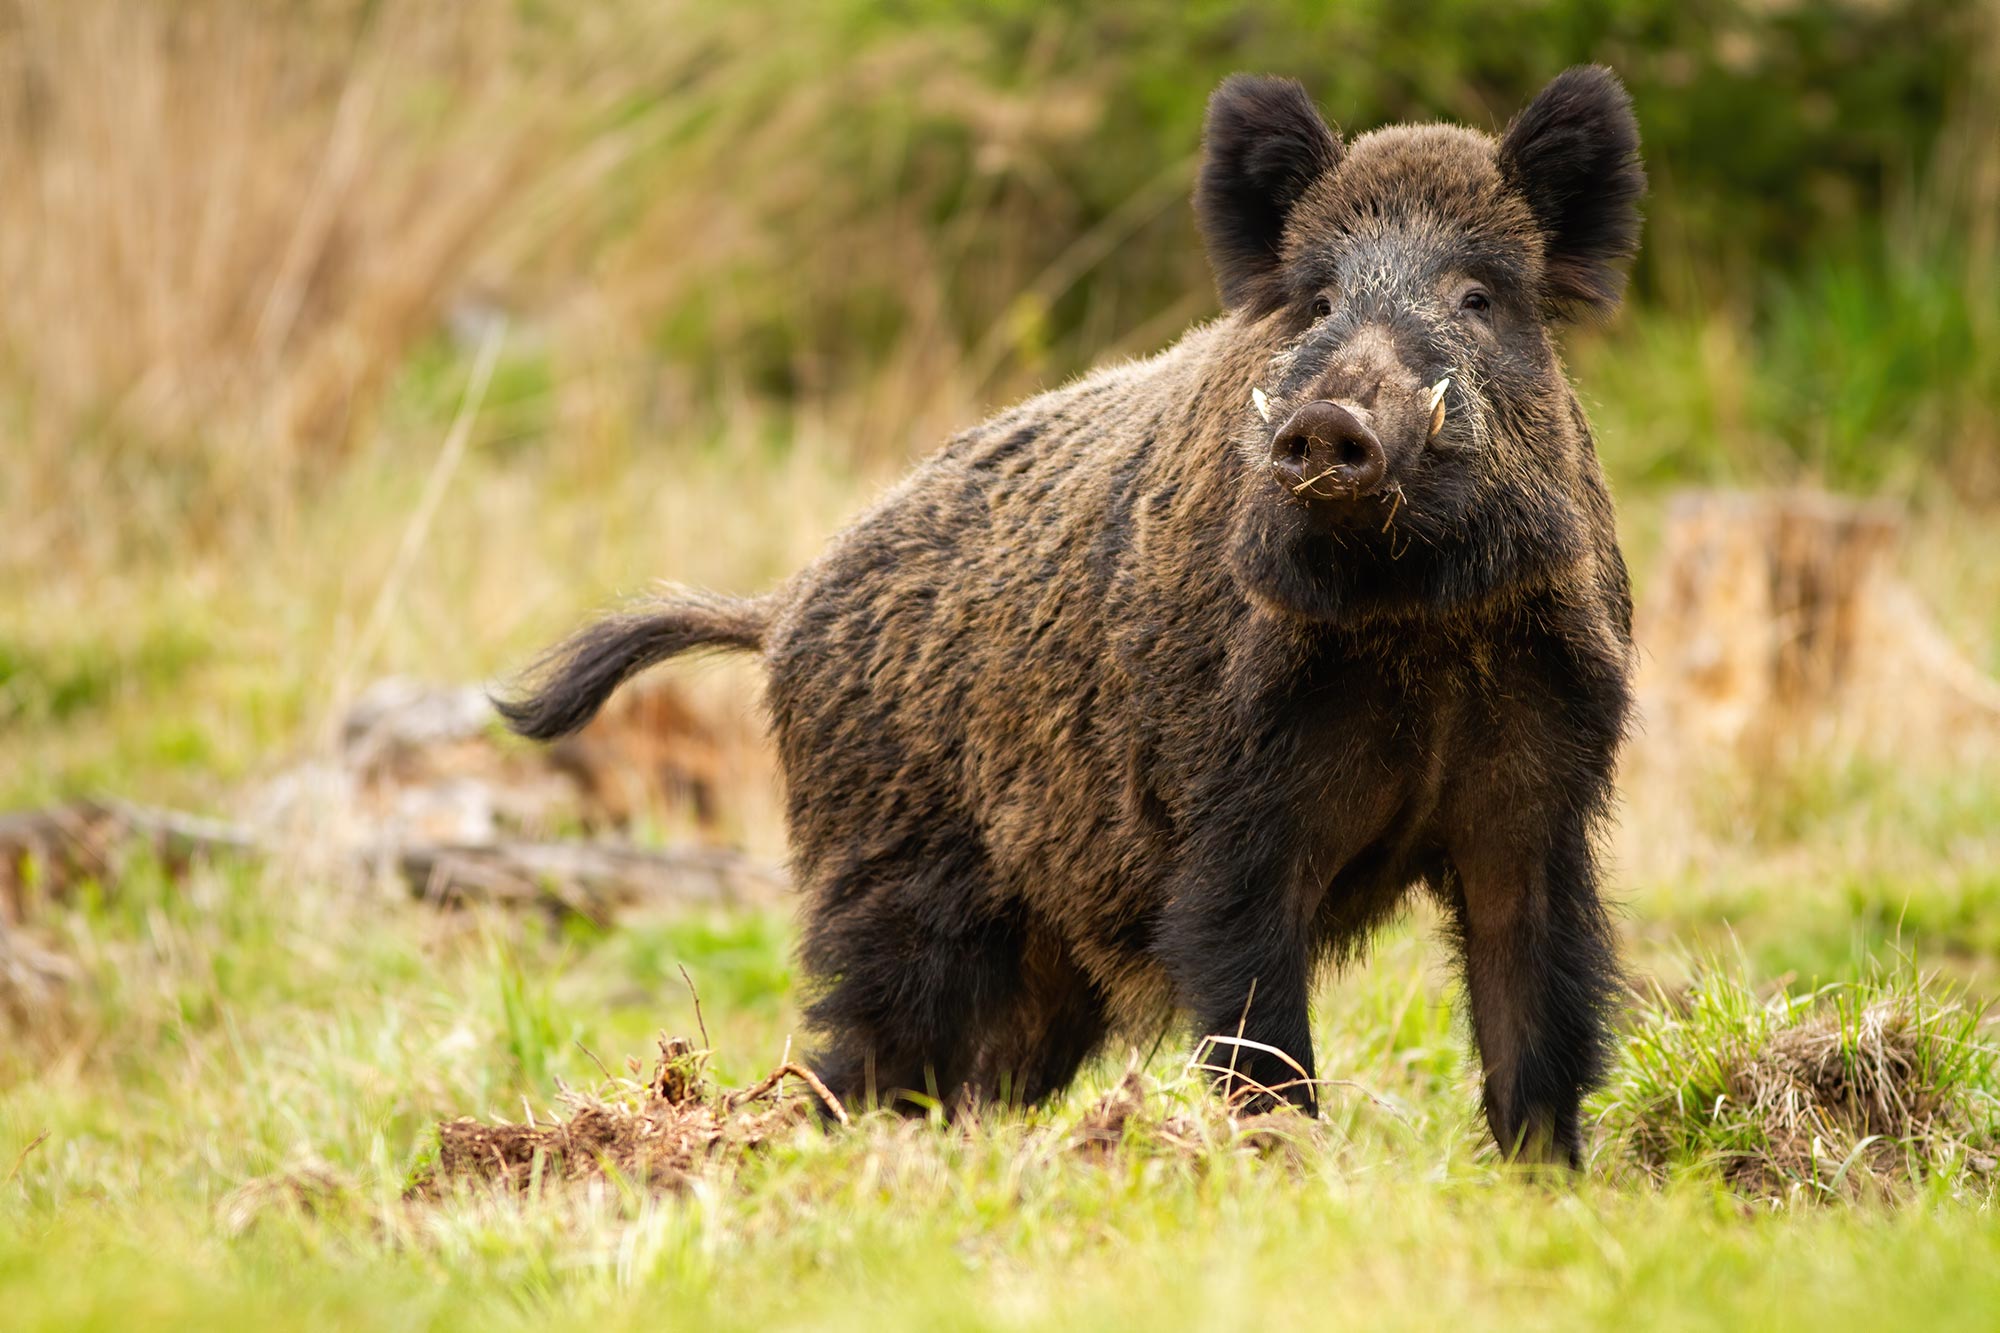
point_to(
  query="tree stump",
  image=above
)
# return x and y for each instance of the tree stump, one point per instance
(1777, 628)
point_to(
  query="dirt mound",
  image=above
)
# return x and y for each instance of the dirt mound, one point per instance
(1839, 1095)
(1857, 1084)
(657, 1132)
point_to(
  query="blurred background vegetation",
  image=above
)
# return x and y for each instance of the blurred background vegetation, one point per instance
(346, 338)
(744, 261)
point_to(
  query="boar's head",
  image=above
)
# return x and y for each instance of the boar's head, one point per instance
(1413, 445)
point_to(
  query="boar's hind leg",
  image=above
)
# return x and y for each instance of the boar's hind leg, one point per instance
(1035, 1045)
(1541, 974)
(923, 997)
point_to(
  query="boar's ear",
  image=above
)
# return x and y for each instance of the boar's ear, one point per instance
(1573, 153)
(1264, 143)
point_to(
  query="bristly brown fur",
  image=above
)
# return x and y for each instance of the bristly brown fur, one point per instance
(1093, 719)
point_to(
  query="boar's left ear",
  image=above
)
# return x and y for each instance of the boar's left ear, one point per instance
(1263, 144)
(1573, 153)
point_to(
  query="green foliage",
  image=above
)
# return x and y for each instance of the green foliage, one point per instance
(531, 1031)
(736, 960)
(248, 1073)
(1879, 363)
(51, 681)
(999, 167)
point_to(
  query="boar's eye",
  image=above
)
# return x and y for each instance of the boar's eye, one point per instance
(1322, 307)
(1476, 301)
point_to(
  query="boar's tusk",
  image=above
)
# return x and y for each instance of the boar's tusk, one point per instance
(1261, 403)
(1437, 408)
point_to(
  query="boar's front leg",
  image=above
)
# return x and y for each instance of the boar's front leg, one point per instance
(1541, 973)
(1236, 947)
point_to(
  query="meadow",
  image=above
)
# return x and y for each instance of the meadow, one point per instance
(345, 341)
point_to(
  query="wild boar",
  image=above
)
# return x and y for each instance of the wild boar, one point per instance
(1156, 691)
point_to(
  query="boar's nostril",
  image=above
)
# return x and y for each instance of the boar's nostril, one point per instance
(1326, 450)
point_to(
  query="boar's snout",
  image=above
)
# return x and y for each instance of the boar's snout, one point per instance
(1326, 450)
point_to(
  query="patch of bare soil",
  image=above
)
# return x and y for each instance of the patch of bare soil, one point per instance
(657, 1132)
(676, 1125)
(1132, 1119)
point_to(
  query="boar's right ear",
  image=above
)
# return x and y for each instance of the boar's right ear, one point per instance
(1264, 143)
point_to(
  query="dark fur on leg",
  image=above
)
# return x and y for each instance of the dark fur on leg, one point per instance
(1238, 952)
(1543, 977)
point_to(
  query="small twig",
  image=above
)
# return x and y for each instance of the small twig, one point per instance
(1248, 1088)
(777, 1076)
(1253, 1087)
(1240, 1041)
(22, 1157)
(1314, 482)
(703, 1027)
(1395, 503)
(1158, 1042)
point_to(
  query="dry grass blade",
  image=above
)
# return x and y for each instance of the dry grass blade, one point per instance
(417, 530)
(1395, 505)
(1245, 1043)
(1313, 483)
(695, 995)
(309, 1187)
(21, 1158)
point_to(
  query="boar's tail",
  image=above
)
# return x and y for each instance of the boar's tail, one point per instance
(565, 689)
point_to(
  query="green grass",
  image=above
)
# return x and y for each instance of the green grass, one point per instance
(237, 1026)
(1899, 1068)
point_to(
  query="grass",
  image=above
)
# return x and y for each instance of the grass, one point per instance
(238, 1029)
(731, 310)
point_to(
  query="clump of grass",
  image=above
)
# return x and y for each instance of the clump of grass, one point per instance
(1853, 1090)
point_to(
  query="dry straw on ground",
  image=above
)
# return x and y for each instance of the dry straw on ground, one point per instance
(1822, 1087)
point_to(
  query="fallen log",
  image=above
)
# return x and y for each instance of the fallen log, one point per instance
(590, 879)
(46, 854)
